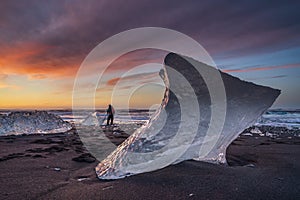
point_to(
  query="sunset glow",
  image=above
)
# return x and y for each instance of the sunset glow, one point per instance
(43, 46)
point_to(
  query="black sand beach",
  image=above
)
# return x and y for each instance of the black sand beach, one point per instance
(57, 166)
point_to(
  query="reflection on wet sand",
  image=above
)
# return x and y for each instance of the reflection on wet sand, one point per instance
(115, 134)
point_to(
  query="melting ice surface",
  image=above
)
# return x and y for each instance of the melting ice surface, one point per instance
(181, 129)
(27, 122)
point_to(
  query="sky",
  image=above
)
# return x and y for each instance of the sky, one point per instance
(43, 44)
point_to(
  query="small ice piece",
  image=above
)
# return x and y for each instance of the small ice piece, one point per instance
(256, 130)
(108, 187)
(249, 165)
(247, 134)
(82, 179)
(261, 134)
(57, 169)
(268, 134)
(191, 194)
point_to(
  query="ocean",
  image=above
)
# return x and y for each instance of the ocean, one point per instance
(289, 119)
(121, 116)
(280, 118)
(277, 118)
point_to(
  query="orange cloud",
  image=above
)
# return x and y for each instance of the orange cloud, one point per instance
(37, 76)
(134, 77)
(36, 61)
(6, 86)
(40, 61)
(113, 81)
(19, 52)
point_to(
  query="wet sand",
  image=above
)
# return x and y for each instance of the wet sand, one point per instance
(57, 166)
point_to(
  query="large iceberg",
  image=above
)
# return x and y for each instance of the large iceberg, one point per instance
(28, 122)
(202, 112)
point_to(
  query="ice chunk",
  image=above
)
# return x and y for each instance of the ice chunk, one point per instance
(200, 115)
(57, 169)
(27, 122)
(94, 119)
(255, 130)
(247, 134)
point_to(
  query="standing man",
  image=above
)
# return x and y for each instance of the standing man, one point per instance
(110, 114)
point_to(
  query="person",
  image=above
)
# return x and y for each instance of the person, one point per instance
(110, 115)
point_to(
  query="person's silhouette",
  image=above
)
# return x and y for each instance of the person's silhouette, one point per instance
(110, 114)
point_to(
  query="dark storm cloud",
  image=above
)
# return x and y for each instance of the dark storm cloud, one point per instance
(67, 30)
